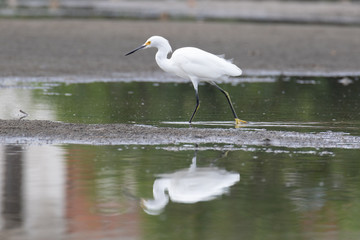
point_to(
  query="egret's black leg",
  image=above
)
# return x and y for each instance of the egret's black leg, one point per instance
(197, 105)
(237, 120)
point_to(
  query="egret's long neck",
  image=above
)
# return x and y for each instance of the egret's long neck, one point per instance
(161, 57)
(160, 198)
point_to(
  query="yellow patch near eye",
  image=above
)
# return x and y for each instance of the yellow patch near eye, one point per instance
(148, 43)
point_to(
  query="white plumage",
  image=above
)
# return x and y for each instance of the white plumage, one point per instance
(193, 64)
(191, 61)
(190, 185)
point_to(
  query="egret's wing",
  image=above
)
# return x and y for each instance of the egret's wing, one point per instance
(203, 65)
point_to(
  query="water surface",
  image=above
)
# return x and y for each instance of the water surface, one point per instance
(182, 191)
(98, 192)
(320, 103)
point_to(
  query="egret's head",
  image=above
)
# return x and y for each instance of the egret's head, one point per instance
(154, 41)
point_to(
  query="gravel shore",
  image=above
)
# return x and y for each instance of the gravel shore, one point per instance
(48, 132)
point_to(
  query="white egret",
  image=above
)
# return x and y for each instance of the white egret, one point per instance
(195, 65)
(190, 185)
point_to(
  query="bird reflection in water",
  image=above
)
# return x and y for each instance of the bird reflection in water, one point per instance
(190, 185)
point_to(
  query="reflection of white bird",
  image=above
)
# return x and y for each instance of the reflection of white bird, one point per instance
(193, 64)
(189, 186)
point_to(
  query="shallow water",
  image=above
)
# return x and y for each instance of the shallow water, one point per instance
(296, 103)
(106, 192)
(183, 191)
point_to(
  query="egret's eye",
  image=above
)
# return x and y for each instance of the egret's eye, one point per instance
(148, 43)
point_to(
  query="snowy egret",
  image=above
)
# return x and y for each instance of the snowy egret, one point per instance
(189, 185)
(195, 65)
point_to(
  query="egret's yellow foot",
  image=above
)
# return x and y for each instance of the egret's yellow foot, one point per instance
(238, 121)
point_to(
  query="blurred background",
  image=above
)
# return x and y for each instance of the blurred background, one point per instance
(341, 11)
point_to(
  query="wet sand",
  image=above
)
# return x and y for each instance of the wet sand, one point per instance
(48, 132)
(96, 47)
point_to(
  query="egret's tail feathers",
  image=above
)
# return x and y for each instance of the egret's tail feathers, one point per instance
(230, 68)
(233, 70)
(231, 60)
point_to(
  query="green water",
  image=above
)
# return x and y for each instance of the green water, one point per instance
(299, 103)
(96, 192)
(210, 191)
(323, 100)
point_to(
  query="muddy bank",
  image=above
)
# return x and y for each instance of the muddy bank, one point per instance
(48, 132)
(96, 48)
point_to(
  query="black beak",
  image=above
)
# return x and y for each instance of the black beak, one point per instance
(141, 47)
